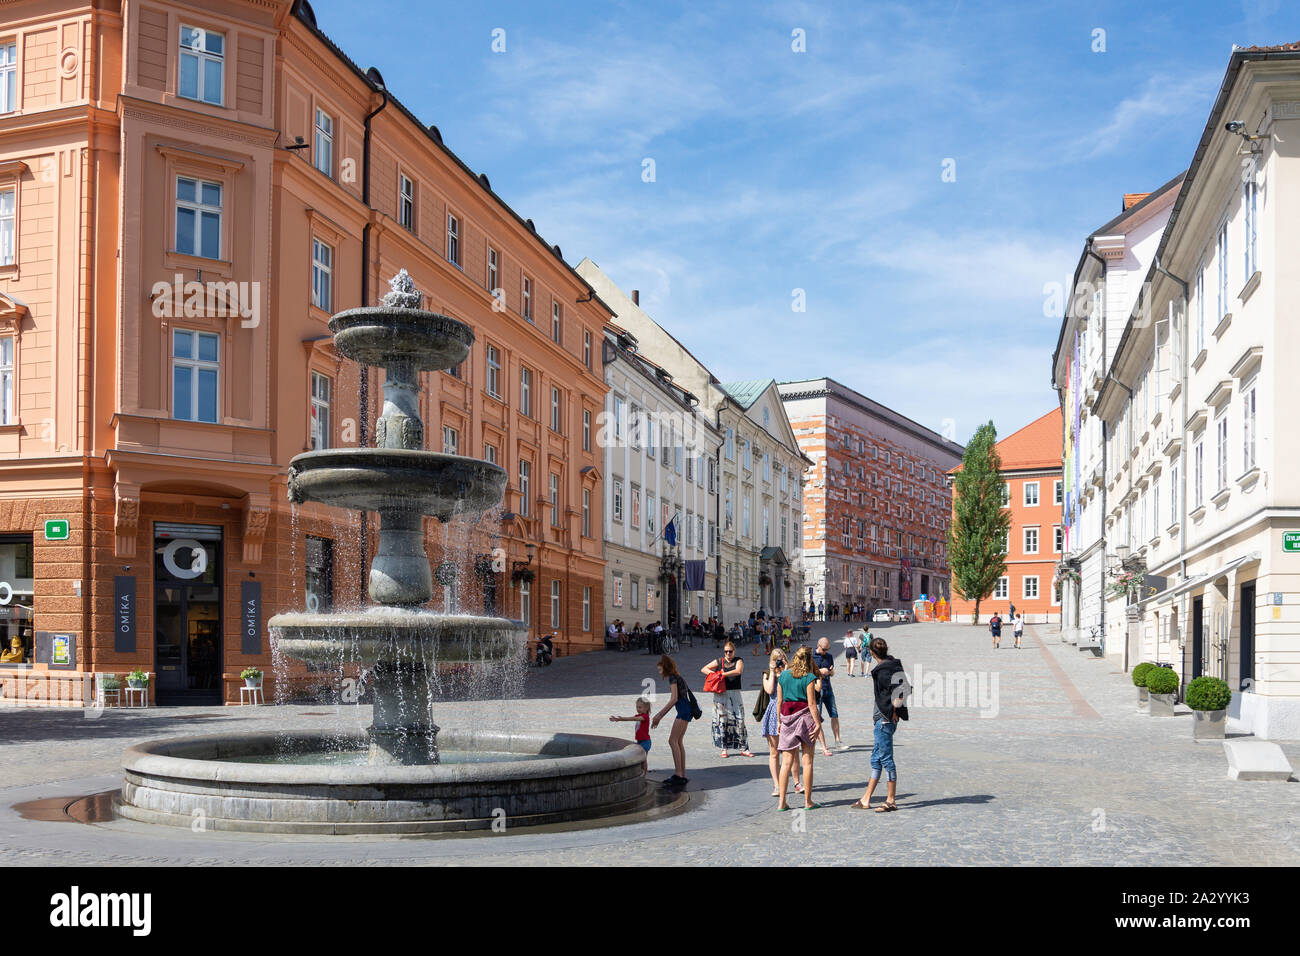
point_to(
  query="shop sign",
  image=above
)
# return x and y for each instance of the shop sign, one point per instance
(250, 617)
(56, 529)
(124, 613)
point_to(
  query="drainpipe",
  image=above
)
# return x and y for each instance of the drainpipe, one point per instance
(373, 77)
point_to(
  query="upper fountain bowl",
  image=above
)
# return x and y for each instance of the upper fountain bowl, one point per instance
(397, 480)
(384, 335)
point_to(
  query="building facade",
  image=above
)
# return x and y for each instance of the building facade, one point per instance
(1204, 491)
(660, 466)
(876, 503)
(194, 190)
(1033, 491)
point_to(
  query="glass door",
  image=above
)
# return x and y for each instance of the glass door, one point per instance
(187, 615)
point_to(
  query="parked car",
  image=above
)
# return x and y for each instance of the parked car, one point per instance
(882, 615)
(903, 615)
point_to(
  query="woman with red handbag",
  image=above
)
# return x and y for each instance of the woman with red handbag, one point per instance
(722, 680)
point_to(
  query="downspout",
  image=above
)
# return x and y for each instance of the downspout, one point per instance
(365, 300)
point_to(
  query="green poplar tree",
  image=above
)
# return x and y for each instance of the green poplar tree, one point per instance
(978, 534)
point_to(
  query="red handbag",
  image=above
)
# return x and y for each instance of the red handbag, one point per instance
(715, 683)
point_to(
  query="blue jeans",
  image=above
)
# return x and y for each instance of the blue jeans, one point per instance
(882, 754)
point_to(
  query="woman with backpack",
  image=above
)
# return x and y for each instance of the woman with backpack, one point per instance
(722, 679)
(682, 701)
(890, 685)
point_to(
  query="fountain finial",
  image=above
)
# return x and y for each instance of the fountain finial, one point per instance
(403, 294)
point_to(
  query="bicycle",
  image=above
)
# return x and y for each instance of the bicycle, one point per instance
(670, 644)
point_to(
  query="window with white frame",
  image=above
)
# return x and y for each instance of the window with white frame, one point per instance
(650, 517)
(8, 411)
(744, 516)
(526, 392)
(556, 418)
(198, 218)
(406, 202)
(1249, 192)
(490, 453)
(731, 444)
(202, 65)
(525, 486)
(493, 371)
(1058, 539)
(321, 389)
(1221, 256)
(1221, 433)
(1002, 588)
(450, 440)
(649, 436)
(586, 608)
(1006, 494)
(525, 602)
(557, 321)
(526, 299)
(322, 275)
(196, 363)
(453, 240)
(8, 227)
(1248, 432)
(1058, 492)
(1030, 588)
(1031, 494)
(323, 150)
(555, 500)
(618, 500)
(586, 512)
(586, 347)
(1173, 492)
(8, 77)
(1200, 307)
(586, 430)
(618, 419)
(1198, 473)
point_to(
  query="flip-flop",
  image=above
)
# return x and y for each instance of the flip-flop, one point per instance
(827, 753)
(858, 806)
(723, 755)
(886, 808)
(746, 753)
(813, 806)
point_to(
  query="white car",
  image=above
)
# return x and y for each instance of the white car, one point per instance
(882, 615)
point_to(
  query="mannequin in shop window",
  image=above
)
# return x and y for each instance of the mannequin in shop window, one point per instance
(16, 653)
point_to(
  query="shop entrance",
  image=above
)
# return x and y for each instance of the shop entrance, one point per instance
(187, 614)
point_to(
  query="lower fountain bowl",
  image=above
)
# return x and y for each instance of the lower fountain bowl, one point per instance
(396, 634)
(244, 783)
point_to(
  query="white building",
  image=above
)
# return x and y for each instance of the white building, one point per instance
(1205, 485)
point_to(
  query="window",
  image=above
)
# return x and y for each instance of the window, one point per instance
(650, 525)
(618, 419)
(8, 231)
(699, 532)
(1248, 196)
(1031, 494)
(527, 299)
(198, 218)
(749, 460)
(557, 320)
(320, 411)
(453, 240)
(1058, 539)
(713, 538)
(555, 410)
(1221, 429)
(319, 564)
(1221, 252)
(731, 444)
(490, 453)
(728, 511)
(555, 500)
(586, 347)
(493, 371)
(618, 500)
(202, 65)
(586, 430)
(195, 362)
(1030, 588)
(586, 512)
(525, 482)
(1248, 427)
(1173, 492)
(322, 275)
(1198, 474)
(1058, 492)
(555, 603)
(1006, 495)
(8, 76)
(744, 516)
(526, 391)
(1200, 308)
(525, 602)
(450, 441)
(8, 413)
(406, 203)
(650, 436)
(323, 151)
(635, 592)
(586, 608)
(1002, 588)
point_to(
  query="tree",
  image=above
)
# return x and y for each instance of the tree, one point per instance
(978, 534)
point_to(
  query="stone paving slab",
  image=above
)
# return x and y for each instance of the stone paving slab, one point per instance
(1063, 770)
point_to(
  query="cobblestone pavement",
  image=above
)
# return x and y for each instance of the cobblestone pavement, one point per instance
(1052, 766)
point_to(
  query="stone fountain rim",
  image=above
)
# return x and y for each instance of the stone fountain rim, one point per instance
(396, 456)
(151, 758)
(383, 616)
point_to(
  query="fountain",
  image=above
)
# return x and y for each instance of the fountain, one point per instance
(399, 777)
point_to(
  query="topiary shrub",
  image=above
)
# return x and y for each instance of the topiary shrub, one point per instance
(1140, 673)
(1208, 693)
(1162, 680)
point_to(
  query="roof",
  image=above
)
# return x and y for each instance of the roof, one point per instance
(748, 392)
(1037, 445)
(1132, 199)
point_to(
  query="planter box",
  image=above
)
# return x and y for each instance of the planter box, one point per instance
(1144, 700)
(252, 682)
(1209, 724)
(1162, 705)
(137, 684)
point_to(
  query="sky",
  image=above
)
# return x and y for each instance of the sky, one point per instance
(886, 206)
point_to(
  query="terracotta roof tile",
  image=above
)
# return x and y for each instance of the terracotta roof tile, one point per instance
(1037, 445)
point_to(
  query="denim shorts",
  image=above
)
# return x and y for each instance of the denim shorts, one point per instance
(684, 711)
(645, 745)
(828, 699)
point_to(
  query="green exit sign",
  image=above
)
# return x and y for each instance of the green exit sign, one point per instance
(56, 529)
(1291, 541)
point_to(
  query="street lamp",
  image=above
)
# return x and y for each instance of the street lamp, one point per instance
(517, 566)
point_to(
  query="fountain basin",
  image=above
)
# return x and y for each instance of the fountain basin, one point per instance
(397, 481)
(395, 635)
(558, 778)
(383, 335)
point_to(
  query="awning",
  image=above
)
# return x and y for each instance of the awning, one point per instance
(1193, 583)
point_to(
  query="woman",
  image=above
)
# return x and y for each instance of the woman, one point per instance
(771, 728)
(890, 684)
(851, 650)
(729, 731)
(679, 700)
(796, 707)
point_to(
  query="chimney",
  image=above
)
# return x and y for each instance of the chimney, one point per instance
(636, 296)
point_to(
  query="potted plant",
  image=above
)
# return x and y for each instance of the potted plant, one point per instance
(764, 579)
(137, 679)
(252, 676)
(1209, 698)
(110, 682)
(522, 574)
(1140, 682)
(1162, 683)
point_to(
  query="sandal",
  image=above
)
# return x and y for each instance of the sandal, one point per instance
(859, 805)
(886, 807)
(724, 755)
(826, 752)
(746, 753)
(798, 787)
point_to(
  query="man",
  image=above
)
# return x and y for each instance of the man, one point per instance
(1018, 629)
(821, 611)
(824, 661)
(995, 628)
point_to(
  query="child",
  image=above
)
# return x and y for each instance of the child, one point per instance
(1019, 628)
(642, 719)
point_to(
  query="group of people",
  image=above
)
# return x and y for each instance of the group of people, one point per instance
(1017, 627)
(797, 696)
(834, 612)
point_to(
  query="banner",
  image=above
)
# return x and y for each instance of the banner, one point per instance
(694, 575)
(124, 613)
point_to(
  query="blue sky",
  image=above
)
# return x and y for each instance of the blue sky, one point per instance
(822, 170)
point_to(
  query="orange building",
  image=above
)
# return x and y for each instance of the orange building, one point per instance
(187, 193)
(1031, 466)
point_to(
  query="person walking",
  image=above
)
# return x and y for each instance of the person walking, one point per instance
(824, 663)
(1018, 629)
(821, 611)
(995, 628)
(891, 689)
(679, 701)
(729, 731)
(851, 645)
(796, 708)
(771, 725)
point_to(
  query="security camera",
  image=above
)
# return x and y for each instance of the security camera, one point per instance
(1235, 126)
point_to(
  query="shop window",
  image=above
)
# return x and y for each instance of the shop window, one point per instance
(17, 639)
(320, 574)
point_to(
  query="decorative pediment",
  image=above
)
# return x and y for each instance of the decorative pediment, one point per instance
(12, 312)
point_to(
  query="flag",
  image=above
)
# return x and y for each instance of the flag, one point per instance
(670, 532)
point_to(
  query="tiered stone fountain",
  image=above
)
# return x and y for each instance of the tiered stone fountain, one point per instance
(395, 778)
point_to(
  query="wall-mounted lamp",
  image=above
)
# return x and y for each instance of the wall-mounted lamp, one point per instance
(298, 144)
